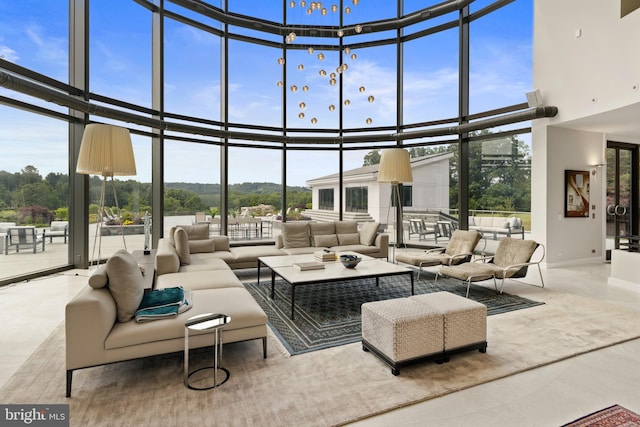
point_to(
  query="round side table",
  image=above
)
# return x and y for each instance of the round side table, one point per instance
(206, 322)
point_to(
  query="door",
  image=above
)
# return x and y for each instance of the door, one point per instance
(622, 189)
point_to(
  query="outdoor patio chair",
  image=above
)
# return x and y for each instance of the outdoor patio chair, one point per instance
(419, 228)
(201, 218)
(23, 236)
(511, 261)
(57, 229)
(459, 249)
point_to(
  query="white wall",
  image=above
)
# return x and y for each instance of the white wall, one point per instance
(586, 62)
(586, 58)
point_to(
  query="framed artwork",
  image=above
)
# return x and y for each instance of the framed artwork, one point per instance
(576, 194)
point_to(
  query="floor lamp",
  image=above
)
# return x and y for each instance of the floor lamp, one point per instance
(395, 168)
(106, 150)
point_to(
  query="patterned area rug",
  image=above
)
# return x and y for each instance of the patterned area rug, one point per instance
(612, 416)
(328, 314)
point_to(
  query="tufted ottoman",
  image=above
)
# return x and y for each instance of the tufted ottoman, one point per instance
(465, 320)
(402, 331)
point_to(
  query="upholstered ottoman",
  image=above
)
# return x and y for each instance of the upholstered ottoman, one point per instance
(402, 331)
(465, 320)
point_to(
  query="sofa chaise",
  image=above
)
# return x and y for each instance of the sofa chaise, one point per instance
(99, 325)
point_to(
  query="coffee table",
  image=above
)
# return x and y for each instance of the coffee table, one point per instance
(333, 271)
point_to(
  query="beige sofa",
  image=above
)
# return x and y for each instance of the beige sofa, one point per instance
(202, 251)
(308, 237)
(497, 225)
(99, 329)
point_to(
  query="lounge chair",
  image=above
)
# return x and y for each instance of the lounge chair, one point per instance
(511, 261)
(459, 249)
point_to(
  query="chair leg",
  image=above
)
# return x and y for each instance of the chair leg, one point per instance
(540, 272)
(468, 286)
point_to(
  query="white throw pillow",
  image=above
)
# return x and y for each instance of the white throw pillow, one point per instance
(202, 246)
(368, 233)
(125, 283)
(182, 246)
(99, 278)
(349, 239)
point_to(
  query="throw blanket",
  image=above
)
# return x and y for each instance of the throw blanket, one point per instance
(163, 303)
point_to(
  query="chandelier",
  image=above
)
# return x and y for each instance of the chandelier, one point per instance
(327, 72)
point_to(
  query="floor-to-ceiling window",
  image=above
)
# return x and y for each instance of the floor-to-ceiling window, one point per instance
(241, 99)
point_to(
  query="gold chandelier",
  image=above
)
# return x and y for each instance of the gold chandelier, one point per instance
(330, 77)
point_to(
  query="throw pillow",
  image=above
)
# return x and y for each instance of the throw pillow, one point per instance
(197, 232)
(182, 246)
(368, 233)
(349, 239)
(295, 235)
(125, 283)
(326, 240)
(98, 278)
(346, 227)
(513, 221)
(202, 246)
(170, 235)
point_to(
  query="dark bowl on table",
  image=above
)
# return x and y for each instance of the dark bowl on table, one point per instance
(350, 261)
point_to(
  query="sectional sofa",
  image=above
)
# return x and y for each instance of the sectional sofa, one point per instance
(98, 321)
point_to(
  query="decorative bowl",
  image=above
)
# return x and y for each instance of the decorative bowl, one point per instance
(350, 261)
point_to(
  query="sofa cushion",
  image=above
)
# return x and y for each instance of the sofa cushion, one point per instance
(222, 243)
(99, 278)
(295, 235)
(325, 241)
(235, 302)
(197, 231)
(197, 280)
(182, 246)
(346, 227)
(320, 228)
(202, 246)
(349, 239)
(125, 283)
(368, 233)
(170, 236)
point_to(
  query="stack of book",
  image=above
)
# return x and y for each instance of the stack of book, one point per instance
(304, 266)
(325, 256)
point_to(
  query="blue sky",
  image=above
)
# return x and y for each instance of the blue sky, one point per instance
(34, 34)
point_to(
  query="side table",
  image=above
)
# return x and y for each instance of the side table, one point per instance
(206, 322)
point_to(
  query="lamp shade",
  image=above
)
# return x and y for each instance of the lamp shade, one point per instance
(395, 166)
(106, 150)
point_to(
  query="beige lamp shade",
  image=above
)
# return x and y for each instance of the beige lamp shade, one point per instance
(395, 166)
(106, 150)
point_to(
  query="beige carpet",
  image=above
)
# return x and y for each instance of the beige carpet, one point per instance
(328, 387)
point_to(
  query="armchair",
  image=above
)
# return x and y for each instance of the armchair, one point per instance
(459, 249)
(511, 261)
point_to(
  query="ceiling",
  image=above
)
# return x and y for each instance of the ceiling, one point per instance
(620, 122)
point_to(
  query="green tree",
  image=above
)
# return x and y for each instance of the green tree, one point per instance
(371, 158)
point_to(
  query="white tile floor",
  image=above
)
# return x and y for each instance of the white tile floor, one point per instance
(547, 396)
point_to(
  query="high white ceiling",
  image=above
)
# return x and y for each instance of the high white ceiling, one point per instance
(620, 122)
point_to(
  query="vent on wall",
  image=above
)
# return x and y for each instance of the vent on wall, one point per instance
(628, 6)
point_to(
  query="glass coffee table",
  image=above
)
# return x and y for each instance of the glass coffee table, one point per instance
(285, 267)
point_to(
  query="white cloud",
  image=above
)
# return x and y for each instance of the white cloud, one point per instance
(8, 54)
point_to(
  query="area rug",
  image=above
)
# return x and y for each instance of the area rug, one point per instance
(328, 314)
(612, 416)
(329, 387)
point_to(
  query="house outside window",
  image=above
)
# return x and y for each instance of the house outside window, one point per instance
(407, 196)
(325, 197)
(357, 199)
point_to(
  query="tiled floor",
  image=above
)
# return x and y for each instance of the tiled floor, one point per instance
(547, 396)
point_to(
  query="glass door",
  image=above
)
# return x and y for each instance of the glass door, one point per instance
(621, 204)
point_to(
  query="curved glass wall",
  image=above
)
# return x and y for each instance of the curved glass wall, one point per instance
(268, 93)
